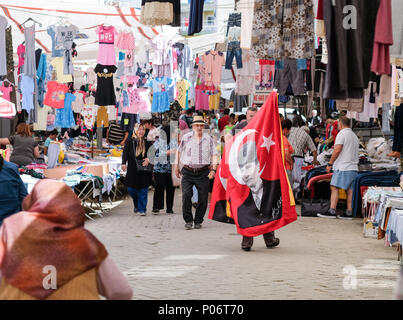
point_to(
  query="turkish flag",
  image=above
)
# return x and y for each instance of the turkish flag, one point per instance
(219, 207)
(257, 187)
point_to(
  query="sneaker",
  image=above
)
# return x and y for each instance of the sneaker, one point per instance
(156, 211)
(188, 226)
(170, 212)
(328, 215)
(345, 217)
(198, 225)
(143, 213)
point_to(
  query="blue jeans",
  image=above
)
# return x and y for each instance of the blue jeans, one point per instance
(234, 49)
(140, 197)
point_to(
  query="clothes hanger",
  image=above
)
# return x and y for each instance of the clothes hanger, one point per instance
(30, 19)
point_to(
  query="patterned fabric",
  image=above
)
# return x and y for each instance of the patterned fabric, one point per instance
(50, 231)
(162, 162)
(197, 154)
(283, 28)
(300, 141)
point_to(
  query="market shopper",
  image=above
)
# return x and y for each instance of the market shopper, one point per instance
(12, 189)
(115, 135)
(300, 141)
(49, 235)
(139, 171)
(286, 125)
(52, 137)
(25, 148)
(222, 122)
(250, 113)
(197, 153)
(162, 170)
(344, 162)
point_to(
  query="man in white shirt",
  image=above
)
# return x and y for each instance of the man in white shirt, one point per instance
(344, 162)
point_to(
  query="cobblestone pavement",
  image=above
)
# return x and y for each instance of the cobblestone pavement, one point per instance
(162, 260)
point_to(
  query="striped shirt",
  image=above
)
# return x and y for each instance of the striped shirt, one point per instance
(115, 134)
(197, 154)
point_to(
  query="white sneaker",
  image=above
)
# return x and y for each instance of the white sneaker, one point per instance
(143, 213)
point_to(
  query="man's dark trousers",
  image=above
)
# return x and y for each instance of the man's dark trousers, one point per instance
(201, 181)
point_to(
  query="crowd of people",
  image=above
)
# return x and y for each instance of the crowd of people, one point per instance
(157, 157)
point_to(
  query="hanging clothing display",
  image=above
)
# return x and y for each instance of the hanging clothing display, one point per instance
(183, 87)
(245, 7)
(89, 114)
(64, 116)
(21, 57)
(58, 64)
(6, 89)
(349, 50)
(195, 17)
(52, 30)
(160, 87)
(184, 59)
(396, 50)
(55, 94)
(29, 64)
(383, 39)
(128, 121)
(105, 94)
(106, 52)
(159, 13)
(245, 77)
(41, 122)
(3, 61)
(136, 103)
(79, 102)
(283, 29)
(161, 57)
(102, 117)
(213, 62)
(28, 89)
(398, 130)
(289, 75)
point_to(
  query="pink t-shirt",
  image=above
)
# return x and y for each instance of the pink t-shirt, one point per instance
(6, 92)
(213, 62)
(106, 34)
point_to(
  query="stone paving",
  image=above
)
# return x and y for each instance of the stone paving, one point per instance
(316, 259)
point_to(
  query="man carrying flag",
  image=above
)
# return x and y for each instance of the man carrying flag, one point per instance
(252, 180)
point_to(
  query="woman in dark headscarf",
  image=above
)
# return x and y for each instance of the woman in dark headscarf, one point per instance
(46, 253)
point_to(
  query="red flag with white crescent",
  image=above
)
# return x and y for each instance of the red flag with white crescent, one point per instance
(257, 187)
(219, 207)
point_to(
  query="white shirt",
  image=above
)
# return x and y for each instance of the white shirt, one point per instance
(348, 157)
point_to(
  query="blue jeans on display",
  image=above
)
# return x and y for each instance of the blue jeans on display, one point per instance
(234, 49)
(140, 197)
(234, 20)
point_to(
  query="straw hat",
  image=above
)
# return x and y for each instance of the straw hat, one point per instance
(198, 120)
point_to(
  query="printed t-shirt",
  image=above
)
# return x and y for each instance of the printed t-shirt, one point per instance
(55, 95)
(105, 95)
(183, 86)
(6, 92)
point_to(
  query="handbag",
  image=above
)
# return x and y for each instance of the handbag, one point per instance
(311, 207)
(139, 162)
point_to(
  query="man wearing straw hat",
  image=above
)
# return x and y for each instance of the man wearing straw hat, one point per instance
(198, 154)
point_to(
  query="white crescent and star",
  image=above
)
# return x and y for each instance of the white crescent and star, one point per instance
(268, 142)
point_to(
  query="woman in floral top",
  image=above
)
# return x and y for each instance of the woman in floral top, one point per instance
(164, 148)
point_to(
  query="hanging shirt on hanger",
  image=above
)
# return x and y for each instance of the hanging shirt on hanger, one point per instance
(106, 52)
(27, 88)
(52, 33)
(160, 87)
(58, 64)
(3, 55)
(105, 94)
(55, 94)
(6, 91)
(64, 116)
